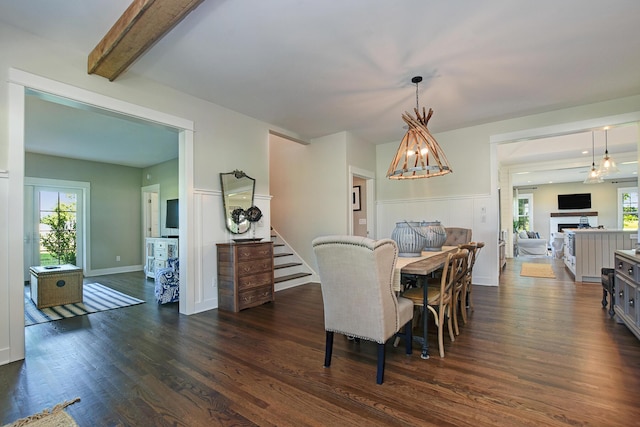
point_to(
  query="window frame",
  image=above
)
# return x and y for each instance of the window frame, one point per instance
(529, 197)
(620, 206)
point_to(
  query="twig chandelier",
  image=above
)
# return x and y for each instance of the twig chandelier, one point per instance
(419, 155)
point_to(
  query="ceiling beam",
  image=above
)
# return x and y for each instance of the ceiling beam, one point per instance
(140, 26)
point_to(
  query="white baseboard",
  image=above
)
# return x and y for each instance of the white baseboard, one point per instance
(115, 270)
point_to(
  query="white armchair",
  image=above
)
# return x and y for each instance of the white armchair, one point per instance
(356, 276)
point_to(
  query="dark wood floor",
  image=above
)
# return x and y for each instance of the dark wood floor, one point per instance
(536, 352)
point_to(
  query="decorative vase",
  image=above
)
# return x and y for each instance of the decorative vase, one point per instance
(409, 238)
(435, 235)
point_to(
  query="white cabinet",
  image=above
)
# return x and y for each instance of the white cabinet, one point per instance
(588, 250)
(158, 251)
(627, 290)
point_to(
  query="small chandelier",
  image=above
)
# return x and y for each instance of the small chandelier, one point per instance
(607, 164)
(594, 176)
(419, 155)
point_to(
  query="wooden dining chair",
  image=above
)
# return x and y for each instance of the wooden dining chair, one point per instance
(356, 278)
(460, 285)
(439, 299)
(467, 301)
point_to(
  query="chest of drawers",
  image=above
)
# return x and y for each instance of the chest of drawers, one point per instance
(245, 275)
(627, 289)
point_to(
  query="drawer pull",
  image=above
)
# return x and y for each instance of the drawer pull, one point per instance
(631, 271)
(621, 294)
(631, 302)
(620, 266)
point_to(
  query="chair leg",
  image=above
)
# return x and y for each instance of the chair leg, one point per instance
(381, 356)
(408, 337)
(449, 324)
(328, 349)
(463, 304)
(440, 327)
(455, 314)
(469, 297)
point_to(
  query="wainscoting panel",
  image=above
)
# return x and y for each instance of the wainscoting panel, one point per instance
(480, 213)
(450, 212)
(209, 224)
(595, 249)
(209, 229)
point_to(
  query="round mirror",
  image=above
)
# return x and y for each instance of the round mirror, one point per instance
(237, 197)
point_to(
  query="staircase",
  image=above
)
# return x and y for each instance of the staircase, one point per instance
(289, 269)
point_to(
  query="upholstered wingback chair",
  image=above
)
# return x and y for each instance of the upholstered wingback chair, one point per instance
(457, 236)
(356, 277)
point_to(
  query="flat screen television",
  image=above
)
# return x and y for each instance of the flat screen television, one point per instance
(574, 201)
(172, 220)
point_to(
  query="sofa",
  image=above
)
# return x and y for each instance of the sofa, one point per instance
(529, 243)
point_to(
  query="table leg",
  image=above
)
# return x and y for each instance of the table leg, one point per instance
(425, 320)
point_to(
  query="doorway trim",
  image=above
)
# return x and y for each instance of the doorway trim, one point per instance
(19, 81)
(370, 189)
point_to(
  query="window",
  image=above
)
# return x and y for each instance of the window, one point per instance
(628, 208)
(523, 219)
(57, 228)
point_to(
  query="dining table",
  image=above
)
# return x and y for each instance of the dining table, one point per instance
(423, 266)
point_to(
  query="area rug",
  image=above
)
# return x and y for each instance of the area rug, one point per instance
(96, 297)
(537, 270)
(55, 417)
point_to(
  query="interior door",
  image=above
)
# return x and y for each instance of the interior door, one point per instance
(151, 213)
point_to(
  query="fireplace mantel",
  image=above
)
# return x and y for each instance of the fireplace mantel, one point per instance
(578, 214)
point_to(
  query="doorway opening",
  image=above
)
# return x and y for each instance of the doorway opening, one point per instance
(19, 84)
(362, 210)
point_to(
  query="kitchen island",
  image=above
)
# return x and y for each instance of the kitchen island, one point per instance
(587, 250)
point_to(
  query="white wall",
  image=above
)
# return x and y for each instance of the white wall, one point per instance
(309, 190)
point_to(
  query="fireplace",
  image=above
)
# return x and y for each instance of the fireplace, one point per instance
(560, 220)
(561, 226)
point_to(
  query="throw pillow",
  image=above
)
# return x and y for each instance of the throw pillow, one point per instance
(523, 235)
(531, 234)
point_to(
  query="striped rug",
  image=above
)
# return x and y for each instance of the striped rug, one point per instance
(96, 297)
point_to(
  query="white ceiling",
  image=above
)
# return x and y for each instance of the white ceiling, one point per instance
(59, 127)
(315, 68)
(568, 158)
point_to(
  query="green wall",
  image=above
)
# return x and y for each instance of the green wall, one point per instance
(115, 205)
(166, 176)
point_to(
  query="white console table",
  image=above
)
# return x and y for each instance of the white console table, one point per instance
(158, 250)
